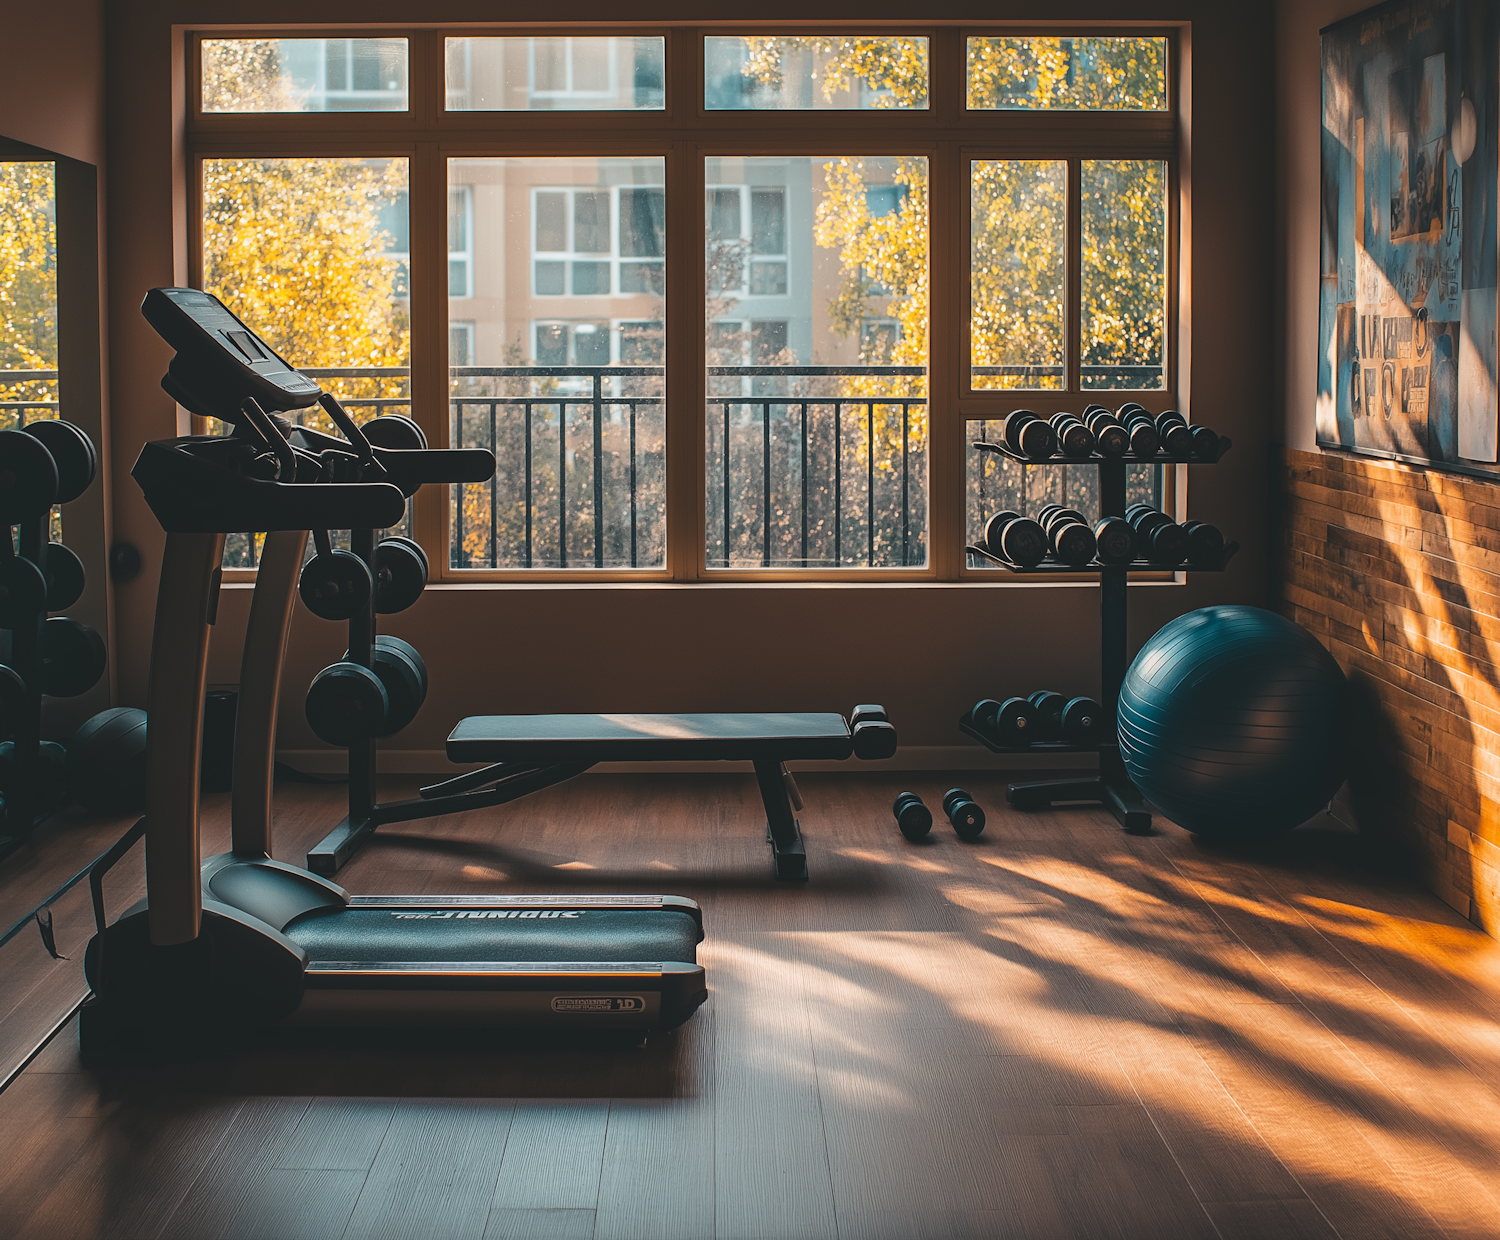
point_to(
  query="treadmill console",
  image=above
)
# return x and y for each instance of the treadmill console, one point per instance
(219, 360)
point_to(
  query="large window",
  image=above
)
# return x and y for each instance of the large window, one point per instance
(895, 239)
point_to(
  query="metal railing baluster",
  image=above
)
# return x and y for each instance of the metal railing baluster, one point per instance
(726, 484)
(765, 480)
(632, 485)
(804, 484)
(905, 485)
(494, 498)
(458, 516)
(870, 483)
(838, 484)
(526, 413)
(599, 470)
(562, 484)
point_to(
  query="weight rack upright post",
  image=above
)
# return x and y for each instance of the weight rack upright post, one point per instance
(1112, 786)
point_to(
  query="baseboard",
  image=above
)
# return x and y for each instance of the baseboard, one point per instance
(908, 758)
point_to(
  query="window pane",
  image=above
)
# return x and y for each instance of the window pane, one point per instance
(1124, 273)
(1018, 266)
(591, 222)
(1082, 74)
(820, 72)
(642, 216)
(304, 75)
(563, 375)
(28, 293)
(997, 484)
(816, 426)
(304, 250)
(556, 74)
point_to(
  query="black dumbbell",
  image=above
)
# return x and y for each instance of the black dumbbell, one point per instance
(73, 453)
(335, 584)
(1073, 437)
(1025, 433)
(1205, 543)
(1114, 540)
(966, 816)
(1161, 538)
(1207, 445)
(400, 574)
(1109, 432)
(404, 675)
(1144, 441)
(13, 701)
(70, 657)
(63, 571)
(1176, 435)
(1049, 711)
(1015, 539)
(873, 734)
(1011, 722)
(23, 589)
(1083, 721)
(28, 478)
(1069, 537)
(346, 702)
(914, 818)
(394, 430)
(398, 432)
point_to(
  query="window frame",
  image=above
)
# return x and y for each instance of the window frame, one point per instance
(685, 134)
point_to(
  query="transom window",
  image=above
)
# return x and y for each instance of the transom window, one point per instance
(532, 284)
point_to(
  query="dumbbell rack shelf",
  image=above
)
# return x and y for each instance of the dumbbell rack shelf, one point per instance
(1111, 787)
(1098, 458)
(966, 726)
(1049, 565)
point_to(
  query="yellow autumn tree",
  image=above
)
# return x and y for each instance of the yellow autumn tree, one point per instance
(1018, 207)
(28, 279)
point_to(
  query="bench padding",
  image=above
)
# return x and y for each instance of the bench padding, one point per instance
(649, 738)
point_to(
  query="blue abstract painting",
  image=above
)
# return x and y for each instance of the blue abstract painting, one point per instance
(1407, 311)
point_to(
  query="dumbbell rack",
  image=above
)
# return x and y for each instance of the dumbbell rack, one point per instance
(26, 808)
(1111, 786)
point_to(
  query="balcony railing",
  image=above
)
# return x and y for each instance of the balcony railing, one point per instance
(13, 412)
(805, 466)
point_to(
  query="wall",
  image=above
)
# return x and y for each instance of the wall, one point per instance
(54, 97)
(1394, 567)
(925, 651)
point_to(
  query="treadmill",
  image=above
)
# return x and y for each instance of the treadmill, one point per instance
(242, 943)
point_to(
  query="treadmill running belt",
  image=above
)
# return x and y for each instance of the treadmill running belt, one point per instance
(570, 934)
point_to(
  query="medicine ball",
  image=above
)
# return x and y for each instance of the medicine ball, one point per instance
(1231, 722)
(107, 761)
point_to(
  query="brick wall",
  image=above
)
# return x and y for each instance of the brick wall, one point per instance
(1397, 571)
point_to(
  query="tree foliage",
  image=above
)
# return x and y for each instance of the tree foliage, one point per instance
(28, 277)
(296, 248)
(1076, 74)
(1018, 207)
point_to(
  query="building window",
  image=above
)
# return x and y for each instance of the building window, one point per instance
(820, 284)
(460, 241)
(597, 241)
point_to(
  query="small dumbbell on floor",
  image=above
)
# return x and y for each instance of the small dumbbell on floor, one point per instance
(913, 817)
(965, 815)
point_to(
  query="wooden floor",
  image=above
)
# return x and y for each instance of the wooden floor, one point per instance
(1059, 1031)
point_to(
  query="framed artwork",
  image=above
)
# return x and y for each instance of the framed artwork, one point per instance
(1407, 298)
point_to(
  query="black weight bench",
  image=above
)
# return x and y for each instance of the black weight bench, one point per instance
(529, 752)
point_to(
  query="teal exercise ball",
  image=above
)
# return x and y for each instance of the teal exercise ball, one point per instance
(1232, 722)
